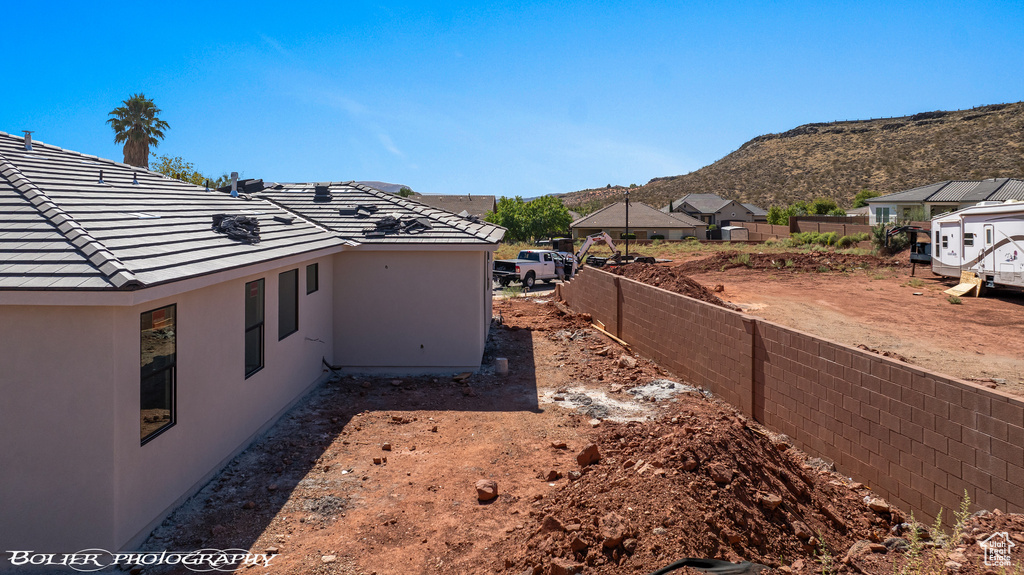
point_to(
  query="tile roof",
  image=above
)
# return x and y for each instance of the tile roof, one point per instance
(63, 226)
(341, 215)
(640, 216)
(757, 211)
(701, 203)
(474, 205)
(959, 191)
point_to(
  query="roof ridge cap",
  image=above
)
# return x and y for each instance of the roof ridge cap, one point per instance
(98, 255)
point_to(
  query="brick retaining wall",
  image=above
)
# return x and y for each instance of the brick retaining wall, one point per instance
(916, 437)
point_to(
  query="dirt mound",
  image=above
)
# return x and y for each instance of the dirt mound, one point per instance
(706, 483)
(792, 262)
(670, 279)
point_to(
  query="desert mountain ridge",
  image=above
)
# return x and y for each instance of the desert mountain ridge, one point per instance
(839, 159)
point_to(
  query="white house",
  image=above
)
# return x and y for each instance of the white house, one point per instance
(140, 348)
(926, 202)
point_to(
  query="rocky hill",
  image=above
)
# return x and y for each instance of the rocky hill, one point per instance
(838, 159)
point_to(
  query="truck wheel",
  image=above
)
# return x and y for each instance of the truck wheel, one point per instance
(529, 280)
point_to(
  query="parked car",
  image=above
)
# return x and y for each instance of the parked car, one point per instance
(532, 265)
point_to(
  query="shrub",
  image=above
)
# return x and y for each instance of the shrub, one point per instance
(741, 259)
(657, 237)
(954, 300)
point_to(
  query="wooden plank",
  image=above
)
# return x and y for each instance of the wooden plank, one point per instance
(615, 339)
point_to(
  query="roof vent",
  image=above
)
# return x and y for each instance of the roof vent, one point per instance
(322, 192)
(234, 184)
(28, 140)
(101, 178)
(135, 179)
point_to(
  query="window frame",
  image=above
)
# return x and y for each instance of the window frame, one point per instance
(290, 305)
(969, 239)
(312, 278)
(259, 325)
(172, 367)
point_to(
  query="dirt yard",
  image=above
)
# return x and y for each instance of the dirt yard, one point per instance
(379, 475)
(875, 303)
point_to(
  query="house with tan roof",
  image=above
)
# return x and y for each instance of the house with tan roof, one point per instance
(645, 223)
(467, 204)
(713, 209)
(151, 329)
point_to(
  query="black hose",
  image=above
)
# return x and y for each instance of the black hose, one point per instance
(716, 566)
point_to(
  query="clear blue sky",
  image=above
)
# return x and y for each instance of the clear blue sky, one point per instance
(518, 98)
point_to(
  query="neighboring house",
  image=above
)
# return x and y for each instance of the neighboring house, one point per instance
(644, 221)
(926, 202)
(711, 209)
(759, 214)
(140, 349)
(476, 206)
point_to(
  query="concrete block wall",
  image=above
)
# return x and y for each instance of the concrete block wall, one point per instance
(917, 437)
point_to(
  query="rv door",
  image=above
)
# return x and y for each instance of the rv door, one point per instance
(989, 263)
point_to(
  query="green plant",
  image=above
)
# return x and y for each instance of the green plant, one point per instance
(823, 269)
(954, 300)
(914, 283)
(789, 263)
(741, 259)
(511, 291)
(824, 556)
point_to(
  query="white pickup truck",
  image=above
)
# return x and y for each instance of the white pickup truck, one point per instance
(532, 265)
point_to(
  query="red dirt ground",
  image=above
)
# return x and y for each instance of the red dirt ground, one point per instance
(689, 477)
(980, 339)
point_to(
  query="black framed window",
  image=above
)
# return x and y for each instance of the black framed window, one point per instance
(287, 303)
(253, 327)
(158, 346)
(968, 239)
(312, 278)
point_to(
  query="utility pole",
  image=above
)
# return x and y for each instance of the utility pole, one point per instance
(627, 225)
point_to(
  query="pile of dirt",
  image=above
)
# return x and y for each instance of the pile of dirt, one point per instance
(705, 482)
(791, 262)
(671, 279)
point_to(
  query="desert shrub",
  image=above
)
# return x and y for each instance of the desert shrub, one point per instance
(657, 237)
(741, 259)
(845, 242)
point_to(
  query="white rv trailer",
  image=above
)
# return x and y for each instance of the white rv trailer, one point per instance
(987, 239)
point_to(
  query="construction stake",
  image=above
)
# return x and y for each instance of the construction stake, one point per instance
(615, 339)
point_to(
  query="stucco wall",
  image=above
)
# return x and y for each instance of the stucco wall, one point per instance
(218, 409)
(56, 436)
(75, 474)
(408, 311)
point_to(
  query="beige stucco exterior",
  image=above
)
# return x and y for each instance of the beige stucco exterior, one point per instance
(75, 475)
(410, 311)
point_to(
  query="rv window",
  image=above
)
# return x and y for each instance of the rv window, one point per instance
(968, 240)
(988, 236)
(936, 237)
(945, 241)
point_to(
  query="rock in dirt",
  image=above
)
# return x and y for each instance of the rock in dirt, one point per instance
(577, 545)
(613, 530)
(574, 475)
(561, 566)
(629, 545)
(857, 550)
(770, 501)
(878, 505)
(589, 455)
(386, 447)
(249, 505)
(801, 530)
(896, 544)
(627, 361)
(551, 523)
(552, 475)
(329, 558)
(721, 473)
(952, 567)
(486, 489)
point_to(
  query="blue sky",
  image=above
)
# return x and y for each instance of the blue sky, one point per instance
(496, 98)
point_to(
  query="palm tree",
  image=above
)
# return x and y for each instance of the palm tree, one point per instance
(135, 123)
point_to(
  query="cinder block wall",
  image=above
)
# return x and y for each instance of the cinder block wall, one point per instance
(916, 437)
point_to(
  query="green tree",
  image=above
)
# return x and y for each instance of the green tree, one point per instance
(862, 197)
(546, 216)
(777, 216)
(177, 168)
(405, 192)
(136, 125)
(822, 207)
(543, 217)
